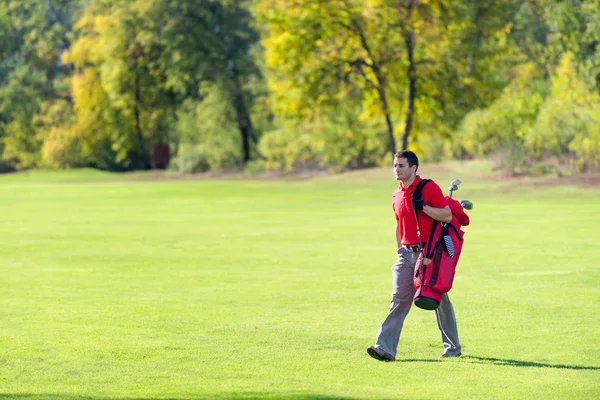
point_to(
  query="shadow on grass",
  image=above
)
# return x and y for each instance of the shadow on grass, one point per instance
(505, 362)
(224, 396)
(517, 363)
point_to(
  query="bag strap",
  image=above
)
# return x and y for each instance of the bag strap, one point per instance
(419, 188)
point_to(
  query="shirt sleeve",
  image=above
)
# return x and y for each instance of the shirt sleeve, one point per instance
(433, 196)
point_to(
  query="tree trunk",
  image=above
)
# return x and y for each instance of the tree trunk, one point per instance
(388, 118)
(237, 95)
(380, 87)
(140, 152)
(136, 110)
(65, 42)
(412, 88)
(241, 111)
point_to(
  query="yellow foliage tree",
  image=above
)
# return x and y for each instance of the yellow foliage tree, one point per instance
(406, 61)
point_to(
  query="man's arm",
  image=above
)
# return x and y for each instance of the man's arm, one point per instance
(398, 234)
(439, 214)
(435, 204)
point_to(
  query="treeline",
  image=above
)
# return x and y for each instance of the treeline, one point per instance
(297, 84)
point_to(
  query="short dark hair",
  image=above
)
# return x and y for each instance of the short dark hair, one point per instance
(410, 157)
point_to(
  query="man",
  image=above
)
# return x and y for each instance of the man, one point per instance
(432, 206)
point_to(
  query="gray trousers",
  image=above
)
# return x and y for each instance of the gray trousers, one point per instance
(403, 291)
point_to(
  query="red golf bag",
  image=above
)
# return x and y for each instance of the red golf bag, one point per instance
(443, 248)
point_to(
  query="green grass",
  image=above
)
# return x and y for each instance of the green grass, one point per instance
(264, 289)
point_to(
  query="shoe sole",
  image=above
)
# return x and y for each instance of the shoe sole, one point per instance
(450, 355)
(373, 353)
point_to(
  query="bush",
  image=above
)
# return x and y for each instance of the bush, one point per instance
(255, 167)
(7, 166)
(190, 161)
(586, 143)
(555, 128)
(350, 143)
(505, 124)
(569, 122)
(508, 159)
(60, 146)
(60, 150)
(337, 140)
(432, 148)
(21, 145)
(288, 149)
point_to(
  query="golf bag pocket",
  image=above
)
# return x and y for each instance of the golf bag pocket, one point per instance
(435, 278)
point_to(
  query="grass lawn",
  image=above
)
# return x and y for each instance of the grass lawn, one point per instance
(137, 289)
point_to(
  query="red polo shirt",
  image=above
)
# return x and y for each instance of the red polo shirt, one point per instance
(403, 210)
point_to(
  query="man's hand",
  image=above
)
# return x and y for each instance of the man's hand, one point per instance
(417, 198)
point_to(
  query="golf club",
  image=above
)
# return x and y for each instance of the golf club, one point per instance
(466, 204)
(453, 186)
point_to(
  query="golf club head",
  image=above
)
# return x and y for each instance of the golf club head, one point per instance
(453, 186)
(466, 204)
(451, 189)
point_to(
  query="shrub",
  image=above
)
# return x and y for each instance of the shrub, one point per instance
(337, 140)
(255, 167)
(586, 143)
(190, 161)
(60, 146)
(569, 122)
(288, 149)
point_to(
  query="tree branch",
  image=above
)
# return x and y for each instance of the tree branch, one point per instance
(52, 12)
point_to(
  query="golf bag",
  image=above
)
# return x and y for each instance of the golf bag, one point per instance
(443, 248)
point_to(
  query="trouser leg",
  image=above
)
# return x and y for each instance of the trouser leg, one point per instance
(402, 297)
(446, 321)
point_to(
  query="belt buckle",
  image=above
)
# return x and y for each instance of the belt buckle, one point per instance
(414, 248)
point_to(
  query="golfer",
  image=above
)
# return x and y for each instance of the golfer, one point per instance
(431, 206)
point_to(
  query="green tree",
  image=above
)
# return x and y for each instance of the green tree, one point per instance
(146, 58)
(34, 35)
(535, 38)
(234, 37)
(578, 22)
(321, 52)
(406, 55)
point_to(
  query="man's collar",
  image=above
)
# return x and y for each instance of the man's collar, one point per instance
(413, 184)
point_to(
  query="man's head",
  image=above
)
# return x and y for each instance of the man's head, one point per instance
(406, 164)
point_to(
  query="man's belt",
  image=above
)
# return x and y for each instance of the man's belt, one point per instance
(414, 248)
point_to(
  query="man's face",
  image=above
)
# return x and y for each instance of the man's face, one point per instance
(402, 170)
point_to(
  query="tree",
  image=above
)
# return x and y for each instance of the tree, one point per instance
(211, 42)
(34, 34)
(578, 22)
(326, 50)
(407, 54)
(146, 58)
(234, 37)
